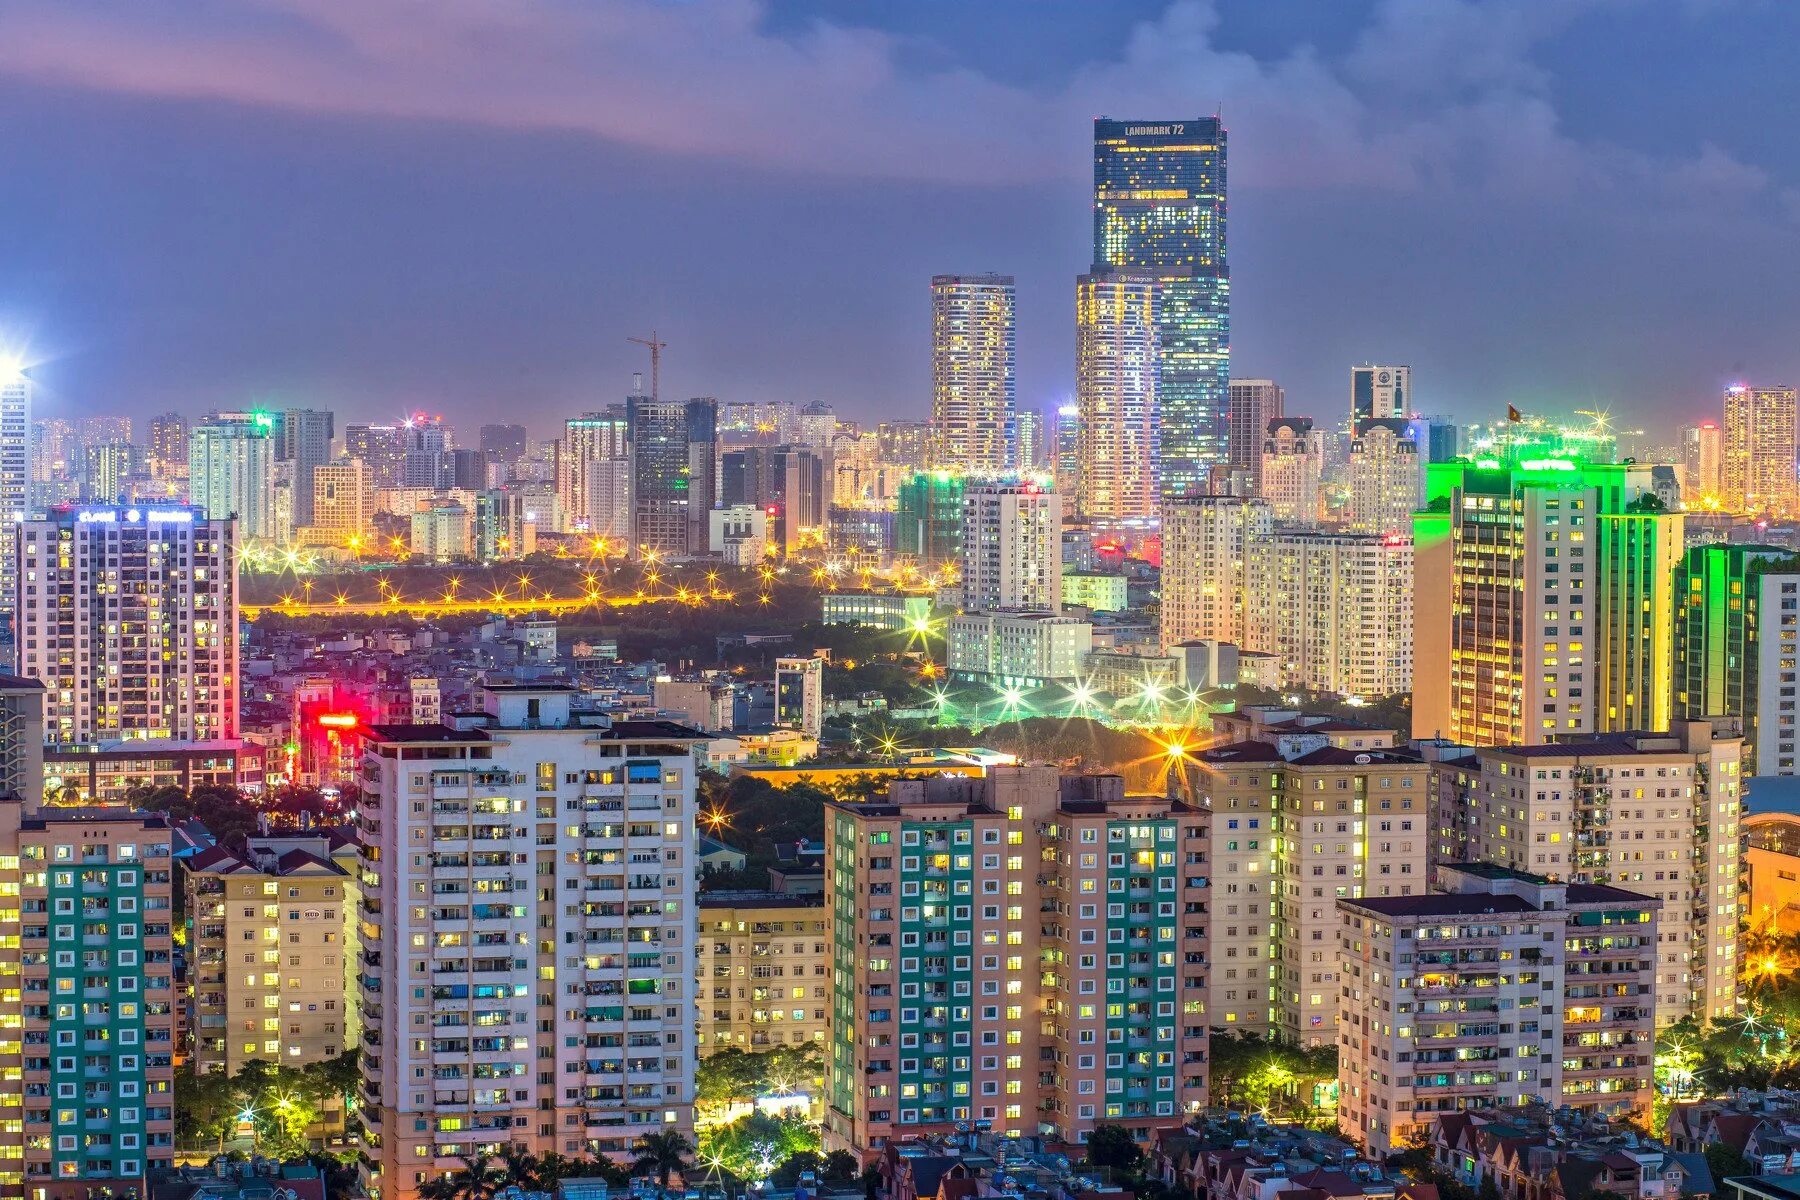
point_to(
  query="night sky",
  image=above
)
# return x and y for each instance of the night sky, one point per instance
(467, 205)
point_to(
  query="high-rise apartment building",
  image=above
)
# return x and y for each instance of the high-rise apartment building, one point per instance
(231, 458)
(1380, 393)
(169, 447)
(1737, 609)
(1254, 403)
(1507, 989)
(764, 973)
(1655, 813)
(1293, 464)
(380, 447)
(107, 469)
(972, 387)
(302, 436)
(1544, 602)
(1116, 390)
(343, 504)
(527, 935)
(1300, 819)
(273, 947)
(591, 438)
(1159, 207)
(1065, 453)
(1335, 609)
(505, 525)
(1387, 476)
(422, 440)
(1011, 547)
(1205, 543)
(905, 443)
(1026, 949)
(1757, 449)
(15, 471)
(129, 617)
(503, 444)
(1701, 453)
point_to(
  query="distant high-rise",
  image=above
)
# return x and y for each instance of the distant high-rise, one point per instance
(1116, 389)
(169, 446)
(15, 471)
(786, 482)
(669, 439)
(343, 504)
(1293, 461)
(1028, 440)
(1380, 393)
(1011, 548)
(1159, 207)
(230, 471)
(1205, 543)
(1254, 403)
(379, 446)
(702, 416)
(1734, 647)
(1757, 449)
(905, 443)
(972, 396)
(504, 444)
(106, 471)
(303, 436)
(1064, 451)
(1384, 476)
(1700, 454)
(587, 439)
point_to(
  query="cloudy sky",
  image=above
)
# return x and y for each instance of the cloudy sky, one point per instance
(468, 205)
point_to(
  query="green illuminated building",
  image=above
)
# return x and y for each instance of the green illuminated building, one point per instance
(1737, 608)
(928, 518)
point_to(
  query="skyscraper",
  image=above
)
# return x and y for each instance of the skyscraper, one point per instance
(972, 388)
(1757, 449)
(1011, 548)
(1254, 403)
(15, 470)
(1116, 375)
(1159, 207)
(1700, 454)
(302, 436)
(672, 448)
(231, 471)
(1028, 440)
(590, 438)
(703, 467)
(129, 617)
(786, 482)
(1380, 393)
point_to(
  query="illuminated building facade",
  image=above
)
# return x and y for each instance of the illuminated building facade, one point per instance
(800, 694)
(955, 1000)
(1017, 650)
(1116, 390)
(1335, 609)
(673, 444)
(1011, 547)
(1159, 207)
(787, 483)
(587, 439)
(15, 472)
(1386, 477)
(506, 525)
(1736, 643)
(303, 436)
(1205, 541)
(1065, 452)
(972, 388)
(764, 971)
(169, 447)
(1380, 393)
(545, 994)
(1254, 403)
(380, 447)
(129, 617)
(231, 461)
(1701, 452)
(1757, 449)
(1293, 462)
(1656, 813)
(928, 519)
(343, 499)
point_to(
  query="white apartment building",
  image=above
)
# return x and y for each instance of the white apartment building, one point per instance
(527, 925)
(590, 439)
(1336, 609)
(1503, 990)
(129, 618)
(231, 471)
(972, 387)
(1655, 813)
(15, 470)
(1293, 463)
(1018, 649)
(1011, 548)
(1386, 477)
(1205, 541)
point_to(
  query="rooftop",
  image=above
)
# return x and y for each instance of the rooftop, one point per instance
(1439, 904)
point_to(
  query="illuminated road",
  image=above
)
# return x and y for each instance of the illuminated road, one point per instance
(394, 606)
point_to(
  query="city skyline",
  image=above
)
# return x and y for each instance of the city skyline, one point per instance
(370, 300)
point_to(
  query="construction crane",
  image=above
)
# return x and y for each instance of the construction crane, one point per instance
(656, 349)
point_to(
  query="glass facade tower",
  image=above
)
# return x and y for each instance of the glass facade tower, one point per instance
(1159, 208)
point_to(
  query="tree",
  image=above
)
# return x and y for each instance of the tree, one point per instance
(841, 1166)
(662, 1154)
(754, 1145)
(1725, 1161)
(207, 1107)
(1112, 1146)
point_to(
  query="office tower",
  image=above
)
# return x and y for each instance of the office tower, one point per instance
(1757, 449)
(545, 994)
(954, 1001)
(1543, 602)
(1336, 609)
(703, 470)
(505, 526)
(343, 504)
(664, 446)
(786, 482)
(590, 438)
(281, 504)
(1065, 454)
(764, 970)
(129, 617)
(94, 1041)
(928, 519)
(440, 532)
(503, 444)
(1443, 440)
(1254, 403)
(972, 389)
(1701, 452)
(1736, 645)
(1293, 464)
(1159, 207)
(380, 447)
(15, 472)
(1011, 548)
(1116, 368)
(1555, 971)
(800, 694)
(231, 472)
(107, 468)
(1654, 812)
(274, 946)
(1205, 540)
(1386, 476)
(302, 436)
(1380, 393)
(169, 447)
